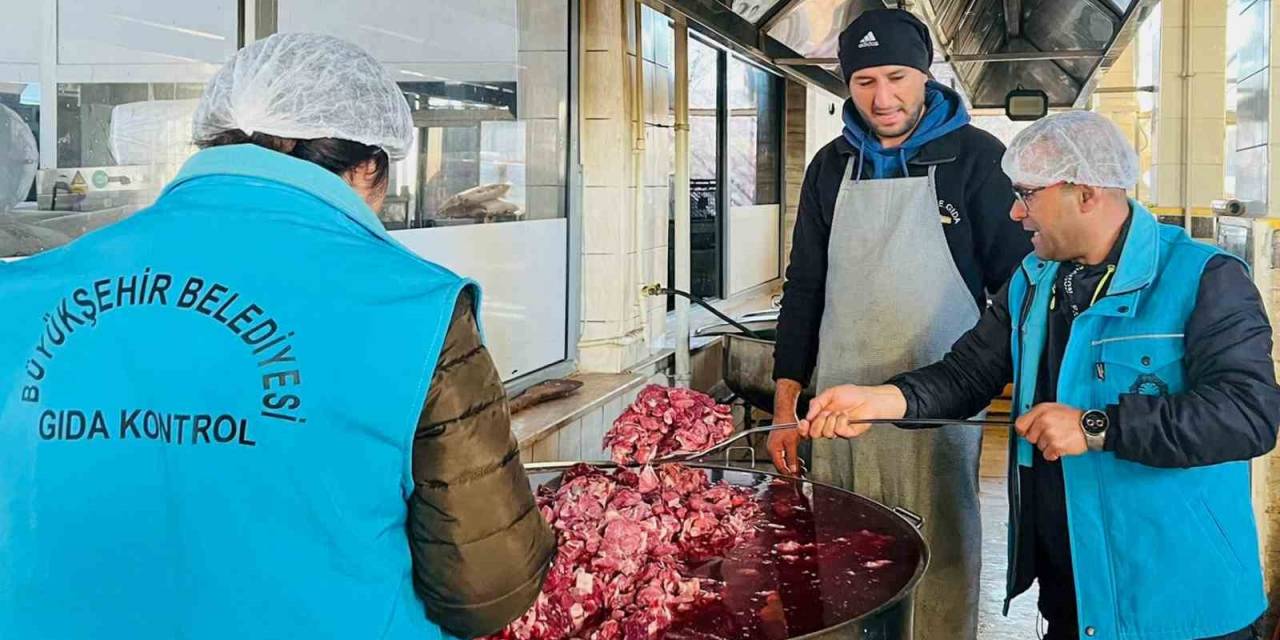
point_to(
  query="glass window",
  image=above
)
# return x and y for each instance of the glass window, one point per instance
(20, 40)
(754, 132)
(118, 144)
(101, 32)
(483, 191)
(704, 170)
(487, 80)
(735, 141)
(491, 121)
(753, 164)
(127, 74)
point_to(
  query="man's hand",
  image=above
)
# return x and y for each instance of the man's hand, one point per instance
(831, 413)
(783, 443)
(1054, 429)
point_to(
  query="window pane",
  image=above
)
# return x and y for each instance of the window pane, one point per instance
(483, 190)
(118, 144)
(490, 144)
(754, 135)
(99, 32)
(20, 38)
(704, 171)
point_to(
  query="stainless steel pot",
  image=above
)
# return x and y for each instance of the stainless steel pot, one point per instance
(837, 589)
(748, 361)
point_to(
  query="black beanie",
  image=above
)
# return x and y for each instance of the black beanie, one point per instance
(885, 36)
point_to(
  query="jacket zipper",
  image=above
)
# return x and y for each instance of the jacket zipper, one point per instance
(1015, 476)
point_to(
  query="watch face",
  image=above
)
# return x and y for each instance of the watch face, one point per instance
(1094, 422)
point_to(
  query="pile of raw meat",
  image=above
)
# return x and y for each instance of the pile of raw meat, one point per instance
(665, 420)
(627, 538)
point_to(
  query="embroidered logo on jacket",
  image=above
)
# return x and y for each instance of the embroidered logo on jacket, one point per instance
(1149, 385)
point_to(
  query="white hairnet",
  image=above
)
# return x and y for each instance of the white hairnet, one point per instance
(1080, 147)
(156, 132)
(18, 159)
(306, 86)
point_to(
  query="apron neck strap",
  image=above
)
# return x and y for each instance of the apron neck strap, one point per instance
(848, 169)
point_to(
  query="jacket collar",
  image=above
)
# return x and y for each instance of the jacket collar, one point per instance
(252, 161)
(941, 151)
(1139, 260)
(1141, 254)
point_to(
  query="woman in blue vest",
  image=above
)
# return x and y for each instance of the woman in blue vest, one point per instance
(247, 411)
(1141, 363)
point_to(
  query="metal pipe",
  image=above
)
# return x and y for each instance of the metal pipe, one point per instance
(656, 290)
(683, 241)
(805, 62)
(49, 85)
(1146, 88)
(1028, 56)
(637, 172)
(1186, 115)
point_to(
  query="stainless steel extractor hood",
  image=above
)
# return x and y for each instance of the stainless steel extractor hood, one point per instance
(995, 46)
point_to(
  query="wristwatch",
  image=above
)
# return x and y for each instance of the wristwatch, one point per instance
(1094, 423)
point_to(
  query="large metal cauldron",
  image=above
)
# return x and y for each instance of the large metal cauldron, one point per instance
(826, 563)
(748, 361)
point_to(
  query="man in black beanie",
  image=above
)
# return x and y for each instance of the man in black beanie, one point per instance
(903, 230)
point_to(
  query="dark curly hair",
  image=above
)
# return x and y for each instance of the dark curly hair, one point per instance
(338, 156)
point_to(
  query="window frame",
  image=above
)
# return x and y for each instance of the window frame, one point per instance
(778, 85)
(258, 19)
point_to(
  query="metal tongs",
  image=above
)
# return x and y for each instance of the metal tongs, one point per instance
(685, 456)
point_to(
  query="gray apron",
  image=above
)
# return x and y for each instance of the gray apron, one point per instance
(895, 302)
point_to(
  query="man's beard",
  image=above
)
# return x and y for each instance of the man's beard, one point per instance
(907, 127)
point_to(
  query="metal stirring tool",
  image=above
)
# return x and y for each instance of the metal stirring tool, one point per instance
(677, 456)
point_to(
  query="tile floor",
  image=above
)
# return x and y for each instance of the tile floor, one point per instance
(1021, 623)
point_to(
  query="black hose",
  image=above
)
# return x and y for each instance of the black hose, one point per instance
(705, 305)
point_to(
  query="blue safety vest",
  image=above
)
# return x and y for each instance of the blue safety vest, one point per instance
(207, 413)
(1158, 553)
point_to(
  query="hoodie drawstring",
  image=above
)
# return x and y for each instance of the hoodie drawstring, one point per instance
(902, 155)
(862, 154)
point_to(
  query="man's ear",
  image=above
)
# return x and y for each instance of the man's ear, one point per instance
(1089, 198)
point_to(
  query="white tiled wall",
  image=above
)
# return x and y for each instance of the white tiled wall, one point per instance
(544, 43)
(1208, 90)
(627, 246)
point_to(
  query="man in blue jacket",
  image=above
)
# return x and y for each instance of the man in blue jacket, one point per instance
(1141, 363)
